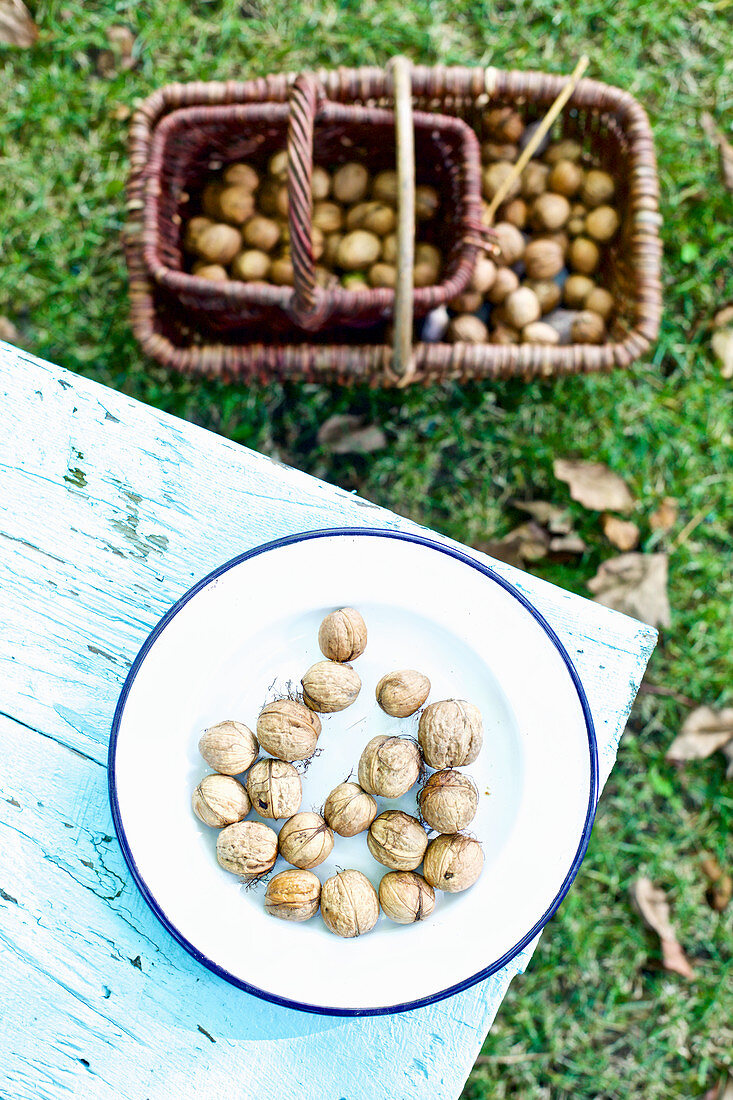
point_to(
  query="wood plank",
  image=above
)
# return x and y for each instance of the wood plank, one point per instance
(109, 511)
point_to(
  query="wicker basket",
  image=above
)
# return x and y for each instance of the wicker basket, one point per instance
(187, 142)
(607, 119)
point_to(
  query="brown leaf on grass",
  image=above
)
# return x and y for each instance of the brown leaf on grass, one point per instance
(347, 434)
(720, 890)
(651, 901)
(119, 57)
(621, 532)
(528, 542)
(703, 732)
(635, 584)
(555, 519)
(725, 149)
(665, 516)
(594, 485)
(16, 26)
(722, 342)
(8, 331)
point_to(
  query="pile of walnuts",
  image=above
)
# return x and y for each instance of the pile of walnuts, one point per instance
(554, 229)
(449, 736)
(242, 232)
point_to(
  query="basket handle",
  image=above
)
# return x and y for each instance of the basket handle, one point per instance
(308, 305)
(402, 354)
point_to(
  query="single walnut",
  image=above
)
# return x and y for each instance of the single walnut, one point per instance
(305, 840)
(405, 897)
(550, 211)
(293, 895)
(242, 175)
(510, 241)
(448, 801)
(288, 730)
(543, 259)
(484, 274)
(534, 179)
(453, 862)
(468, 302)
(450, 733)
(521, 307)
(584, 255)
(274, 788)
(248, 849)
(600, 301)
(236, 204)
(588, 328)
(350, 182)
(349, 904)
(215, 273)
(548, 293)
(566, 178)
(505, 282)
(598, 188)
(220, 800)
(515, 212)
(218, 243)
(467, 329)
(251, 266)
(537, 332)
(320, 183)
(389, 766)
(397, 840)
(402, 693)
(563, 149)
(602, 223)
(384, 187)
(576, 290)
(349, 809)
(229, 747)
(493, 177)
(329, 686)
(342, 635)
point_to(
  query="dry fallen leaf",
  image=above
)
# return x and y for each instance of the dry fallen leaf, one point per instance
(120, 54)
(528, 542)
(635, 584)
(665, 517)
(555, 519)
(16, 26)
(348, 434)
(723, 317)
(594, 485)
(725, 149)
(703, 732)
(621, 532)
(651, 902)
(8, 331)
(722, 342)
(720, 890)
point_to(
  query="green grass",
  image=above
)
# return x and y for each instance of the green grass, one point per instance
(594, 1017)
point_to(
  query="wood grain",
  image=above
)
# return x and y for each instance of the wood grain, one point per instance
(109, 511)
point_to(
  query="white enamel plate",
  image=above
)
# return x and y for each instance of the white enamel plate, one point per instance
(236, 640)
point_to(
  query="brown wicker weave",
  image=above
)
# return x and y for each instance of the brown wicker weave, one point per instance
(610, 119)
(188, 140)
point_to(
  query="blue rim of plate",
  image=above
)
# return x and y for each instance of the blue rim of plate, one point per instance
(486, 972)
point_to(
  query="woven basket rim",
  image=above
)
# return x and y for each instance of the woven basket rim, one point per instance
(240, 293)
(433, 362)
